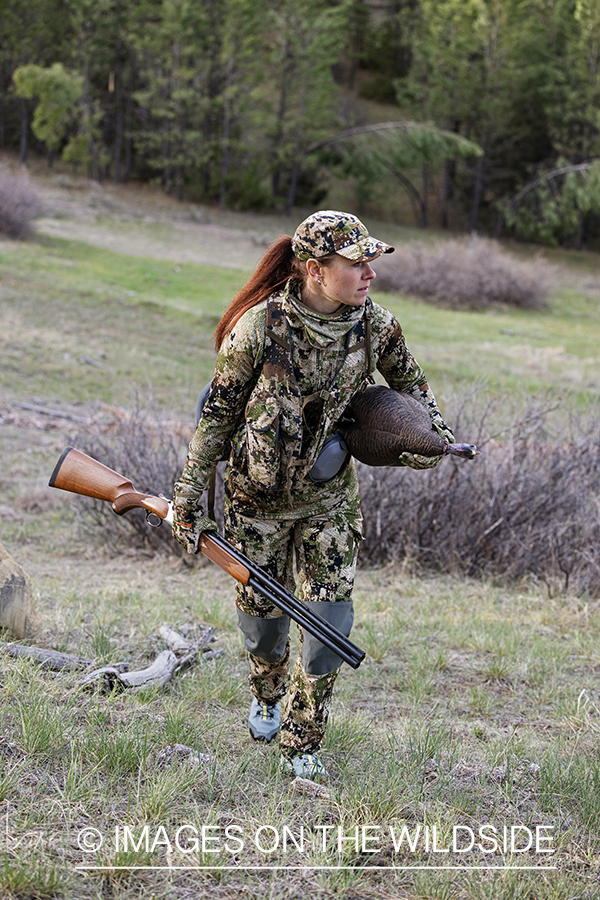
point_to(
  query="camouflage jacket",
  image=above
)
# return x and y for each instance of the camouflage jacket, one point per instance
(283, 378)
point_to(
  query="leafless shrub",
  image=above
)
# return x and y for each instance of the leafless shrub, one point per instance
(470, 274)
(19, 203)
(529, 506)
(147, 450)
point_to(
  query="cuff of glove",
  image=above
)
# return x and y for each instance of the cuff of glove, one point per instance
(445, 432)
(203, 523)
(185, 497)
(188, 528)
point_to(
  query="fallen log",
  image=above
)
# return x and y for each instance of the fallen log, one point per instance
(47, 659)
(176, 642)
(187, 651)
(108, 678)
(55, 413)
(180, 654)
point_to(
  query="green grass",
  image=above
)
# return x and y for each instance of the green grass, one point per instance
(65, 305)
(469, 752)
(202, 290)
(508, 350)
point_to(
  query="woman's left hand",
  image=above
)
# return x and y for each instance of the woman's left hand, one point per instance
(415, 461)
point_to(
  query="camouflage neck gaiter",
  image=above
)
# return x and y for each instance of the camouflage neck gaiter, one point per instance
(321, 330)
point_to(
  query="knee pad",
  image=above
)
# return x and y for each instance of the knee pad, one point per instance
(265, 638)
(316, 658)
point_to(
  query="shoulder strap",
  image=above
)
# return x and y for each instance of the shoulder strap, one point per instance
(370, 365)
(277, 361)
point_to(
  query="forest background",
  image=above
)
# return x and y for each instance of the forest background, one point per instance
(483, 114)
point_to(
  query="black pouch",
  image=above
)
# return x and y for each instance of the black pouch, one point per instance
(330, 460)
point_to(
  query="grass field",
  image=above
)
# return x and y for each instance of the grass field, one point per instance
(478, 706)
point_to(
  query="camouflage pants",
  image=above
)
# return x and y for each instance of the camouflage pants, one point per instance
(315, 558)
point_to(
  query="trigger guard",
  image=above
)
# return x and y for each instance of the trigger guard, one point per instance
(153, 519)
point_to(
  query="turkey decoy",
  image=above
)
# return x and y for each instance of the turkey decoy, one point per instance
(381, 423)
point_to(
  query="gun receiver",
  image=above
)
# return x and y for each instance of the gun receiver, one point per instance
(80, 474)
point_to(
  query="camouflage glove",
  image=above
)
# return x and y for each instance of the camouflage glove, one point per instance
(415, 461)
(189, 522)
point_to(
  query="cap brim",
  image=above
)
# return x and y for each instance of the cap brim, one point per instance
(365, 250)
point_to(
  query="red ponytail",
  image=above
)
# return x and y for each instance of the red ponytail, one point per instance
(274, 269)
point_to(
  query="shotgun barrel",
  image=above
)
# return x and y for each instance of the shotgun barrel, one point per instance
(80, 474)
(284, 600)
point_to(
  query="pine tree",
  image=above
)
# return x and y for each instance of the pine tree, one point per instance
(38, 32)
(307, 40)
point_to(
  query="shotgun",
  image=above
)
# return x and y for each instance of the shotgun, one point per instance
(80, 474)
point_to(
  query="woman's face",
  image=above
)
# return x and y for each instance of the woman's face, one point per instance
(346, 281)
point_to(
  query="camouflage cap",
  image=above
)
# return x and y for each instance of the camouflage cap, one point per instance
(329, 231)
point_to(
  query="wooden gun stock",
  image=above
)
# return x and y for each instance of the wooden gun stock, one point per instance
(80, 474)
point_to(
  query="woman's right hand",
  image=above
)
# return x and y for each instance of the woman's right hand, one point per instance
(189, 522)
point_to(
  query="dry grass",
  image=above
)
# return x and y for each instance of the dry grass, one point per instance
(467, 274)
(475, 706)
(20, 202)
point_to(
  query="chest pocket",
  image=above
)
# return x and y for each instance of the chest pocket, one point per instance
(263, 440)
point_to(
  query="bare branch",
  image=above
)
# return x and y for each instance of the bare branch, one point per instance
(380, 127)
(549, 176)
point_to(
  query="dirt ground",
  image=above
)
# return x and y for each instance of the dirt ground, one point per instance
(474, 704)
(42, 528)
(139, 221)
